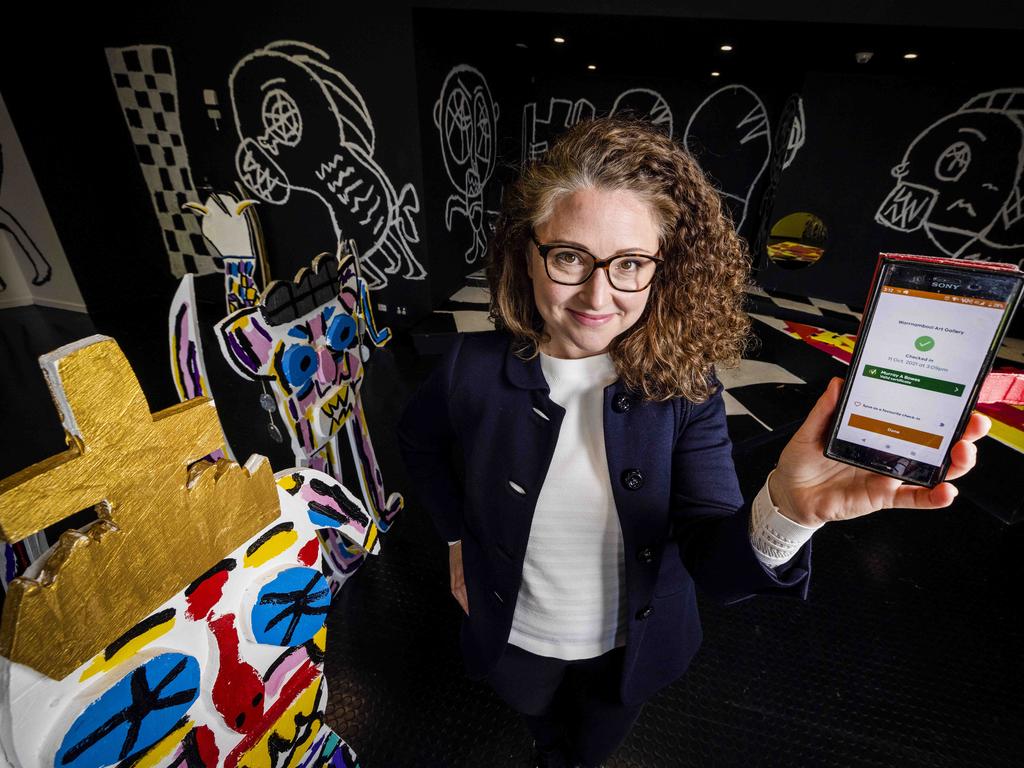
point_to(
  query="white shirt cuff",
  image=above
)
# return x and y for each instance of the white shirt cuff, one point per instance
(774, 536)
(452, 543)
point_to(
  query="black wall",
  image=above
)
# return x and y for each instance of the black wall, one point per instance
(58, 88)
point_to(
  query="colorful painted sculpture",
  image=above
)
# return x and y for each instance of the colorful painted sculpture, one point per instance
(185, 626)
(188, 368)
(306, 340)
(232, 228)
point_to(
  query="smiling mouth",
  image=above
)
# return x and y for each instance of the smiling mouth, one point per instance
(588, 319)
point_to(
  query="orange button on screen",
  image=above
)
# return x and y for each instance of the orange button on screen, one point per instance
(926, 439)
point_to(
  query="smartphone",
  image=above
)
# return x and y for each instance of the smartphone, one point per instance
(927, 340)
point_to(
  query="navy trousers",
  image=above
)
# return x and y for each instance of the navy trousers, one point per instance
(572, 706)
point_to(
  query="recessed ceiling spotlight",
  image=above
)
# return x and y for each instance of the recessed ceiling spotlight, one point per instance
(715, 74)
(591, 67)
(910, 55)
(726, 48)
(559, 39)
(522, 45)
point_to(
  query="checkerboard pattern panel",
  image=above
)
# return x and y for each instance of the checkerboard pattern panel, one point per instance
(147, 90)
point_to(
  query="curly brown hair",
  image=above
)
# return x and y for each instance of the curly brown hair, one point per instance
(694, 316)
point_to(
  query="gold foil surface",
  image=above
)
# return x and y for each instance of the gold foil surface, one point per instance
(160, 525)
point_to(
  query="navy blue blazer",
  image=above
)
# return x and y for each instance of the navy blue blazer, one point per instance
(683, 519)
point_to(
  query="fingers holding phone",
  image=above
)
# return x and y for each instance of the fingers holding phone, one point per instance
(927, 341)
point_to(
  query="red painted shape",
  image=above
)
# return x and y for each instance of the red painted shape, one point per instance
(206, 595)
(206, 745)
(1003, 412)
(310, 552)
(238, 689)
(301, 679)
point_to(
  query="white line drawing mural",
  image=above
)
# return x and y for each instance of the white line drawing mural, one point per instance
(539, 131)
(645, 104)
(797, 134)
(790, 135)
(562, 114)
(730, 135)
(961, 179)
(26, 245)
(147, 89)
(467, 121)
(304, 126)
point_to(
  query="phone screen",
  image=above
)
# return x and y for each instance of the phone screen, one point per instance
(930, 339)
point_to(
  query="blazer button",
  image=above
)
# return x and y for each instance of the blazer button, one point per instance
(645, 555)
(632, 479)
(644, 612)
(621, 403)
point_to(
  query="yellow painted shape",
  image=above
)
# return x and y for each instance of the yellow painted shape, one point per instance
(271, 548)
(1007, 434)
(163, 748)
(287, 483)
(371, 537)
(320, 639)
(285, 730)
(843, 341)
(162, 525)
(129, 649)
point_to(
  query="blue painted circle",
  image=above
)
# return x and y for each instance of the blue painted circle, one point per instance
(133, 715)
(291, 608)
(300, 363)
(341, 333)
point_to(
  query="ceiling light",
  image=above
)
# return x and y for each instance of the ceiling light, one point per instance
(715, 74)
(863, 57)
(559, 39)
(591, 67)
(910, 55)
(726, 48)
(522, 45)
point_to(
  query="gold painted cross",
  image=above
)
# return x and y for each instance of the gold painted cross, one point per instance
(160, 525)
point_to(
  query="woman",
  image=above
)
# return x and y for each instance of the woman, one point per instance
(598, 481)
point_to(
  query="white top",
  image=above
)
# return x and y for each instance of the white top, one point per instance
(572, 599)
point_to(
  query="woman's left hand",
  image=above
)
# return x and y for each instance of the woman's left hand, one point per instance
(811, 489)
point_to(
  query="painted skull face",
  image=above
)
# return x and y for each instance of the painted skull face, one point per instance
(955, 179)
(308, 339)
(302, 125)
(304, 339)
(282, 144)
(467, 117)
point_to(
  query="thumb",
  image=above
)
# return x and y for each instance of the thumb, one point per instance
(818, 421)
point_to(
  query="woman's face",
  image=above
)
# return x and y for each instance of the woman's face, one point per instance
(582, 320)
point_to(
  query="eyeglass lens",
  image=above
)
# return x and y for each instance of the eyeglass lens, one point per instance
(573, 267)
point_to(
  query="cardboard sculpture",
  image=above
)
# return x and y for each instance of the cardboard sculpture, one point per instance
(306, 340)
(188, 368)
(185, 627)
(232, 229)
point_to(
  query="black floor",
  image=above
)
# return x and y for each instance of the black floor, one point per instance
(908, 652)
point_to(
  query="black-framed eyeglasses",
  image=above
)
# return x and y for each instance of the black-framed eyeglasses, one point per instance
(573, 265)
